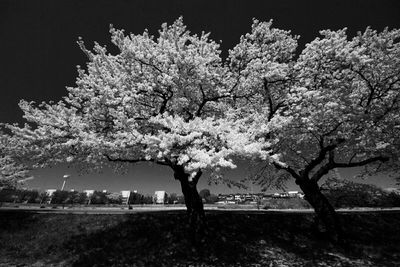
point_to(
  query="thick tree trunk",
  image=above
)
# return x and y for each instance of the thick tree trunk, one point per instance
(193, 201)
(325, 212)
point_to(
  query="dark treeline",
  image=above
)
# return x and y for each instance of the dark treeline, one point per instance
(80, 198)
(341, 193)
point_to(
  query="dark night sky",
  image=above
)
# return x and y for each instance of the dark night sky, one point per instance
(39, 52)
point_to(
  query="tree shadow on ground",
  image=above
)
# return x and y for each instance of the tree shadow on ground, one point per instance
(162, 239)
(159, 239)
(14, 221)
(231, 239)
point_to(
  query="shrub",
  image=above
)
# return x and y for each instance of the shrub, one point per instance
(347, 194)
(285, 203)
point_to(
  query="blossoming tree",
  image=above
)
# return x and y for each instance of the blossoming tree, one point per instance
(160, 100)
(339, 101)
(13, 172)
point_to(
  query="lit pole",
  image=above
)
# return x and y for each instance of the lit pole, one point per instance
(66, 176)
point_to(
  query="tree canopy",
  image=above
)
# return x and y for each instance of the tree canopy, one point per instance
(162, 100)
(336, 105)
(13, 171)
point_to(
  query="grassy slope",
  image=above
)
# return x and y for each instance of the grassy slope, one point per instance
(160, 239)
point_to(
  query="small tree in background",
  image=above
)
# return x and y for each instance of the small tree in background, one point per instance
(208, 197)
(204, 193)
(147, 199)
(180, 199)
(60, 197)
(43, 197)
(28, 196)
(114, 198)
(173, 198)
(99, 197)
(79, 198)
(135, 198)
(211, 199)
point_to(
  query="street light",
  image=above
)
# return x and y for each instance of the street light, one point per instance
(66, 176)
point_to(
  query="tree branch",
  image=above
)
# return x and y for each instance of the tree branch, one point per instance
(164, 163)
(149, 64)
(197, 176)
(165, 98)
(332, 165)
(205, 100)
(321, 156)
(288, 169)
(369, 84)
(333, 129)
(360, 163)
(272, 109)
(326, 168)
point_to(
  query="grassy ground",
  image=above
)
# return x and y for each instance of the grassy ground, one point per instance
(161, 239)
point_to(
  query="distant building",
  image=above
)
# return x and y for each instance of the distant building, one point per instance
(230, 197)
(88, 192)
(239, 198)
(289, 194)
(126, 194)
(392, 190)
(285, 195)
(293, 193)
(50, 192)
(267, 196)
(249, 197)
(105, 191)
(160, 197)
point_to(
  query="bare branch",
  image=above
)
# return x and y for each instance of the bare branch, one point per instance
(361, 163)
(205, 100)
(368, 82)
(321, 156)
(137, 160)
(149, 64)
(352, 157)
(197, 176)
(333, 129)
(332, 165)
(326, 168)
(288, 169)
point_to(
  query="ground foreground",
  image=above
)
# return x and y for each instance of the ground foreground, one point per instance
(161, 239)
